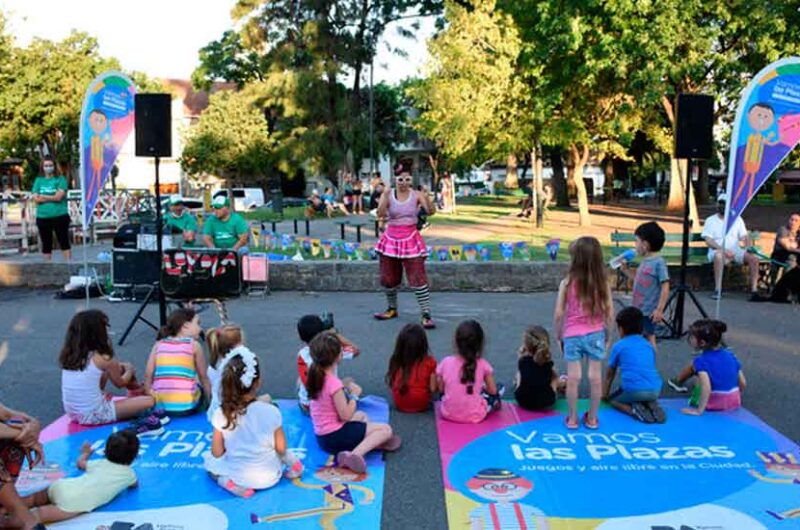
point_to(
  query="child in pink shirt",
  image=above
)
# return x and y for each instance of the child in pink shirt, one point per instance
(340, 429)
(466, 380)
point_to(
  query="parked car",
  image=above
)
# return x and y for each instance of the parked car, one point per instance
(645, 193)
(244, 199)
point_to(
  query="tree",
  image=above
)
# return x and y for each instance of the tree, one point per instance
(319, 42)
(41, 94)
(712, 47)
(229, 140)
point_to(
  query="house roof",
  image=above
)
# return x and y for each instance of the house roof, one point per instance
(194, 101)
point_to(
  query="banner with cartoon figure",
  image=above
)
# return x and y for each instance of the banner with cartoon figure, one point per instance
(106, 121)
(766, 129)
(175, 492)
(525, 470)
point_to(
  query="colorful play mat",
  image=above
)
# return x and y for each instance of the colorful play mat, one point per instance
(175, 493)
(524, 470)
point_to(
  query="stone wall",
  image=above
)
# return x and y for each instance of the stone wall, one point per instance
(363, 276)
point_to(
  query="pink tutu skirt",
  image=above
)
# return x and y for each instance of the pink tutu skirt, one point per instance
(401, 242)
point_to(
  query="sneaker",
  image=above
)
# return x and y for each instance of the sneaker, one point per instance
(159, 413)
(659, 416)
(637, 411)
(294, 467)
(716, 295)
(149, 426)
(386, 315)
(677, 387)
(427, 321)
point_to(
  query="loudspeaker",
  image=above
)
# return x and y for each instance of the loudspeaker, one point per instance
(153, 125)
(134, 267)
(694, 128)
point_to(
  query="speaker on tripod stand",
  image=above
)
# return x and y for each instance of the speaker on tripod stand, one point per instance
(153, 122)
(694, 140)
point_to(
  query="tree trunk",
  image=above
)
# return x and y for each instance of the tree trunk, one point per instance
(537, 190)
(580, 157)
(512, 180)
(677, 180)
(702, 182)
(559, 181)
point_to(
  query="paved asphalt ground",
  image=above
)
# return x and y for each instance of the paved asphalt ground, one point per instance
(766, 338)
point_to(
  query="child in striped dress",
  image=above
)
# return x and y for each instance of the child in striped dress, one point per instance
(176, 374)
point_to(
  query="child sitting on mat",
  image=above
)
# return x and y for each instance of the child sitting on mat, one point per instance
(176, 374)
(309, 327)
(640, 384)
(248, 449)
(466, 380)
(87, 363)
(412, 370)
(719, 373)
(102, 481)
(220, 342)
(537, 381)
(341, 430)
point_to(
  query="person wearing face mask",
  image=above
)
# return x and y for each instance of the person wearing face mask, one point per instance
(49, 192)
(401, 246)
(736, 242)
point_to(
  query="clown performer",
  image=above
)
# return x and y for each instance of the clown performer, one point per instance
(503, 488)
(401, 246)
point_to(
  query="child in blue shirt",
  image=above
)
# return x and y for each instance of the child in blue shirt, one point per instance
(640, 383)
(651, 280)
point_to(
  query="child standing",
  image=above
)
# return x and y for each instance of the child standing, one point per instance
(309, 327)
(339, 428)
(248, 448)
(176, 374)
(102, 481)
(466, 380)
(582, 321)
(220, 341)
(651, 280)
(412, 370)
(87, 363)
(640, 384)
(719, 373)
(537, 381)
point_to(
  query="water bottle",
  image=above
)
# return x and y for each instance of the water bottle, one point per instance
(625, 257)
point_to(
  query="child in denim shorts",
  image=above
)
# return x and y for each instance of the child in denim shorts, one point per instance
(582, 322)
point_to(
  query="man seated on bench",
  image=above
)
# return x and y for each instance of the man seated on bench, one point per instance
(736, 241)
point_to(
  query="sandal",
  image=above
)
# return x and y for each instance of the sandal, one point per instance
(571, 424)
(590, 425)
(659, 415)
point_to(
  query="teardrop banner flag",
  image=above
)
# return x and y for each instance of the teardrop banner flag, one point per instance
(766, 129)
(106, 121)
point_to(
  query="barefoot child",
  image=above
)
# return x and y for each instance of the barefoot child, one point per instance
(537, 382)
(87, 363)
(248, 449)
(339, 428)
(176, 374)
(466, 379)
(582, 321)
(719, 373)
(102, 481)
(640, 384)
(412, 370)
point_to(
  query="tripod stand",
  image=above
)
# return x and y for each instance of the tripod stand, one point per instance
(676, 303)
(153, 291)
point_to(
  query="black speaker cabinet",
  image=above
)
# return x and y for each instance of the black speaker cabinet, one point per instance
(694, 128)
(153, 120)
(131, 267)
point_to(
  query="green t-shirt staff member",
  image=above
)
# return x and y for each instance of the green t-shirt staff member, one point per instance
(49, 192)
(226, 229)
(180, 220)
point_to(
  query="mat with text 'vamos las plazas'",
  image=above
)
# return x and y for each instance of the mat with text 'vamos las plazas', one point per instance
(176, 493)
(526, 470)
